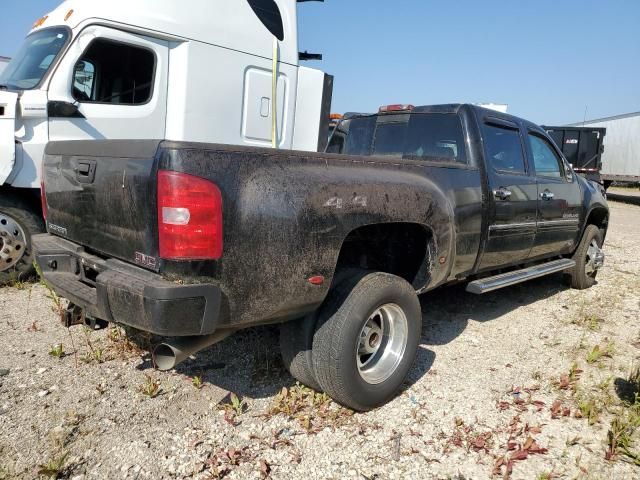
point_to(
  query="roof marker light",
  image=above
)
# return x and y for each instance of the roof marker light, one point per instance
(40, 22)
(396, 108)
(68, 15)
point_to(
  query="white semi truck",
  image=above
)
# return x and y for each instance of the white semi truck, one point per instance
(216, 71)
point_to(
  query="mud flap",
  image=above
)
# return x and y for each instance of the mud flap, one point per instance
(8, 102)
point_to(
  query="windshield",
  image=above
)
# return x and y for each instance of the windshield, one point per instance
(31, 64)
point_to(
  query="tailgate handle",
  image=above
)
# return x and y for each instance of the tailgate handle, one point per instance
(86, 171)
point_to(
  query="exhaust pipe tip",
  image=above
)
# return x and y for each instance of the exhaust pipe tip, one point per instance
(168, 355)
(164, 357)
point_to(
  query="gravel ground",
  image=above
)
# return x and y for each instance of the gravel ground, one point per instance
(510, 384)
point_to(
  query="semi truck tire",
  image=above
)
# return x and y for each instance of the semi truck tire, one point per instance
(18, 222)
(366, 339)
(583, 275)
(296, 341)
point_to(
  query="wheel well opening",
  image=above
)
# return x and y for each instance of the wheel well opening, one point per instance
(600, 218)
(402, 249)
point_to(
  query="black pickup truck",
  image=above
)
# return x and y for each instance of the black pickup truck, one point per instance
(193, 242)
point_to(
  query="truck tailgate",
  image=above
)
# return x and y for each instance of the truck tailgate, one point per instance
(102, 195)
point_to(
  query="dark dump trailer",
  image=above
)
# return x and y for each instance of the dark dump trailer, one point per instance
(583, 147)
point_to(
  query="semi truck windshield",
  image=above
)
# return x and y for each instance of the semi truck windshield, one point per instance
(37, 54)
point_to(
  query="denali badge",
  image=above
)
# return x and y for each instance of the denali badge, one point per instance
(145, 260)
(57, 229)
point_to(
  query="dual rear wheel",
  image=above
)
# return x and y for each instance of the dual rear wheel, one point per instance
(361, 344)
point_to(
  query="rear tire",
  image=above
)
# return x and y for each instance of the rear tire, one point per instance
(366, 339)
(296, 341)
(18, 223)
(583, 275)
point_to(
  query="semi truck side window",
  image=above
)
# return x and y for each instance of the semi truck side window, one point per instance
(545, 158)
(503, 149)
(114, 73)
(269, 14)
(436, 138)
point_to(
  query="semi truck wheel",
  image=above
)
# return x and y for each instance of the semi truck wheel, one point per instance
(296, 341)
(18, 222)
(366, 339)
(589, 259)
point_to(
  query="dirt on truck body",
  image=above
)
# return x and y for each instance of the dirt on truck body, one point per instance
(194, 240)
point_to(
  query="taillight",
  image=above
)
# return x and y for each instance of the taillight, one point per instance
(43, 200)
(189, 217)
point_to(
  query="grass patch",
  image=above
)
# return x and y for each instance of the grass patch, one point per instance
(622, 437)
(151, 387)
(597, 353)
(54, 467)
(314, 411)
(57, 351)
(233, 409)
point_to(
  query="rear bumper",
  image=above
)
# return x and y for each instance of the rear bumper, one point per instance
(118, 292)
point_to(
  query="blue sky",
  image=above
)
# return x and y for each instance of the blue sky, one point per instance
(548, 59)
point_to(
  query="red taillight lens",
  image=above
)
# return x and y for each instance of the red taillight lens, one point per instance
(43, 199)
(189, 217)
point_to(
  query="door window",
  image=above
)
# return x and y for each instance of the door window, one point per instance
(114, 73)
(504, 149)
(84, 79)
(545, 158)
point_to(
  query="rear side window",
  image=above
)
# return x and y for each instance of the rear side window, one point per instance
(420, 136)
(436, 138)
(503, 148)
(269, 14)
(390, 138)
(114, 73)
(353, 137)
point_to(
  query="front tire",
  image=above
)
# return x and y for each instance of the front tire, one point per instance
(587, 259)
(18, 223)
(366, 339)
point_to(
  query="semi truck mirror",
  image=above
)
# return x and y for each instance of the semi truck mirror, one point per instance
(61, 109)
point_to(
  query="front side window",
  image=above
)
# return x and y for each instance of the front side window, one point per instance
(545, 158)
(436, 138)
(114, 73)
(33, 61)
(503, 149)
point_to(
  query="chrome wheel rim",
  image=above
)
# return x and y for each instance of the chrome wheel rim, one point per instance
(13, 242)
(382, 343)
(594, 259)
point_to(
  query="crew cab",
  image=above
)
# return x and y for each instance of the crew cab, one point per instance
(195, 241)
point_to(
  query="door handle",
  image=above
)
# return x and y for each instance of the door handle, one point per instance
(502, 194)
(547, 195)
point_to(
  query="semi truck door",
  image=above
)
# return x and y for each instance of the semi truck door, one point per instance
(559, 199)
(513, 196)
(110, 85)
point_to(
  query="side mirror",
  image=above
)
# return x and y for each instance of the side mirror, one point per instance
(61, 109)
(568, 172)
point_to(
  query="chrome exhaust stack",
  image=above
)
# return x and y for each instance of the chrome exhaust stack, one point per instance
(167, 356)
